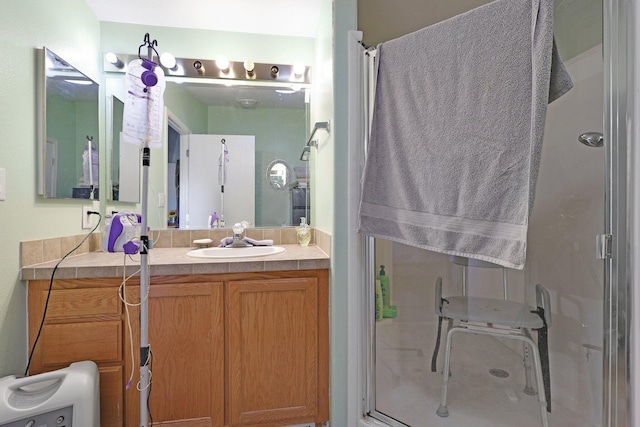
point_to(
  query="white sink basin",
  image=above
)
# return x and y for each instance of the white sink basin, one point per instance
(249, 251)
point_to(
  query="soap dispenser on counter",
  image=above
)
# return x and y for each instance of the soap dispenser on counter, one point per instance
(304, 233)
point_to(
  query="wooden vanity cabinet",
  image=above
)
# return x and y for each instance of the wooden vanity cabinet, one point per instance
(243, 349)
(84, 322)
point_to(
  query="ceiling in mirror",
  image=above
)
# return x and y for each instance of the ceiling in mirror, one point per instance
(244, 96)
(276, 17)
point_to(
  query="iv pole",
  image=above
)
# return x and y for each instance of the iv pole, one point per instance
(223, 178)
(145, 351)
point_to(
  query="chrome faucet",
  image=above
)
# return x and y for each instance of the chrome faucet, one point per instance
(238, 235)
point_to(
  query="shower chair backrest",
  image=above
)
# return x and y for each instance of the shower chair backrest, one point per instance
(543, 300)
(476, 263)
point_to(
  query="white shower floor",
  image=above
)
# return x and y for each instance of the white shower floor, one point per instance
(408, 391)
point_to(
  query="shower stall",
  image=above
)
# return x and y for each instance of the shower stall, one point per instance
(580, 200)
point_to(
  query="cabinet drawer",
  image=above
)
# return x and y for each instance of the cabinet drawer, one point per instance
(66, 303)
(71, 342)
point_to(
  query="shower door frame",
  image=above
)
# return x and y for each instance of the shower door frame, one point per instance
(622, 223)
(620, 40)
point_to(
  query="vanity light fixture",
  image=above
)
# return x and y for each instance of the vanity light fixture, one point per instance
(168, 61)
(113, 59)
(222, 68)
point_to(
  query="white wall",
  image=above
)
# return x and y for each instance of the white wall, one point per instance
(24, 26)
(322, 157)
(343, 388)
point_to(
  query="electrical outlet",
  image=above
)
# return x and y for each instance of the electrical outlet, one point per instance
(162, 200)
(86, 217)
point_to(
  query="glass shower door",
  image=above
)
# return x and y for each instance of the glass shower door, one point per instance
(486, 387)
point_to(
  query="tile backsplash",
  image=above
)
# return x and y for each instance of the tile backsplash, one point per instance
(38, 251)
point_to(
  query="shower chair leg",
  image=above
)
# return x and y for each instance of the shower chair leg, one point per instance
(442, 409)
(528, 342)
(539, 378)
(528, 388)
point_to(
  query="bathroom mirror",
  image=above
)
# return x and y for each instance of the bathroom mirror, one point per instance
(279, 175)
(125, 158)
(69, 119)
(277, 116)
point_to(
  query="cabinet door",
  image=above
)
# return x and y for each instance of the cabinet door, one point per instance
(186, 335)
(272, 350)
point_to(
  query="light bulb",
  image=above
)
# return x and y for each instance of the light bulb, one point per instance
(222, 63)
(112, 58)
(299, 68)
(168, 60)
(249, 65)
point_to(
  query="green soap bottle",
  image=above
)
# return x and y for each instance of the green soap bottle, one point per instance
(384, 283)
(378, 302)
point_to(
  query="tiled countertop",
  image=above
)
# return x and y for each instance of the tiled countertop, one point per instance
(174, 261)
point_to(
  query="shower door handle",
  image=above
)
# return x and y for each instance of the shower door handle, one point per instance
(603, 246)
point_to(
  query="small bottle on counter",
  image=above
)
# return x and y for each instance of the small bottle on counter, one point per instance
(304, 233)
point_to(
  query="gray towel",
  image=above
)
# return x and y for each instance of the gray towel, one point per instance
(457, 131)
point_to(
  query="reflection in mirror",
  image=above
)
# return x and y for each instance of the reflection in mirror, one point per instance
(277, 120)
(278, 175)
(219, 170)
(70, 129)
(125, 164)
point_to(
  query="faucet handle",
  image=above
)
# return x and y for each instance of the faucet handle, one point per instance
(238, 228)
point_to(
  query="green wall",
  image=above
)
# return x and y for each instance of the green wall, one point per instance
(280, 134)
(24, 26)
